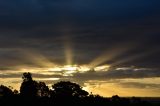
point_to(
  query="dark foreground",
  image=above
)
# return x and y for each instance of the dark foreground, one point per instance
(64, 93)
(73, 101)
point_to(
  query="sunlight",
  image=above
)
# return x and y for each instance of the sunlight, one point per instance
(113, 88)
(68, 50)
(37, 59)
(102, 68)
(55, 69)
(112, 53)
(70, 67)
(84, 68)
(63, 68)
(134, 57)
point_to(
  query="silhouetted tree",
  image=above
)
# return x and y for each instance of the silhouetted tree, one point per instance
(63, 93)
(5, 91)
(29, 87)
(27, 77)
(43, 90)
(115, 98)
(66, 88)
(16, 92)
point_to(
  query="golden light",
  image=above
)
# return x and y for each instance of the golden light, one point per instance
(102, 68)
(84, 68)
(37, 59)
(70, 67)
(134, 57)
(68, 51)
(63, 68)
(112, 53)
(55, 69)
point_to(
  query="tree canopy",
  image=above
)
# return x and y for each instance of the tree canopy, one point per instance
(67, 88)
(5, 91)
(29, 87)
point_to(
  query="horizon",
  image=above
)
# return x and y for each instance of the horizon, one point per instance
(107, 47)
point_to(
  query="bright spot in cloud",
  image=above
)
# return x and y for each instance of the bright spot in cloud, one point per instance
(68, 70)
(102, 68)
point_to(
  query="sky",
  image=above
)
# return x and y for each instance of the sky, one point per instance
(107, 46)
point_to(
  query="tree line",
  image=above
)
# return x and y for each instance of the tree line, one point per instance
(62, 93)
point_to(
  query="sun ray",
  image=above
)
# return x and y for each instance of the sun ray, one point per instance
(68, 53)
(37, 59)
(134, 57)
(111, 54)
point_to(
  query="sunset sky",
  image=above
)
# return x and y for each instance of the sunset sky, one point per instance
(107, 46)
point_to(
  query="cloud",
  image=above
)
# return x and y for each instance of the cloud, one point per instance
(123, 78)
(50, 43)
(118, 74)
(42, 26)
(112, 73)
(33, 36)
(139, 85)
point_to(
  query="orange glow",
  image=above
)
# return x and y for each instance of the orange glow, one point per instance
(70, 67)
(102, 68)
(115, 88)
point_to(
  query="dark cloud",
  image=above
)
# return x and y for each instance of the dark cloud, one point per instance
(92, 26)
(125, 77)
(117, 74)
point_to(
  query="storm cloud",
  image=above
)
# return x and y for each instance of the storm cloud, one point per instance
(40, 34)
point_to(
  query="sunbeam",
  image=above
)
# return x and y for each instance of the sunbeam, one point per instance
(111, 54)
(68, 53)
(135, 57)
(36, 58)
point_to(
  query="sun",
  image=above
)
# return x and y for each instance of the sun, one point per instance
(69, 70)
(70, 67)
